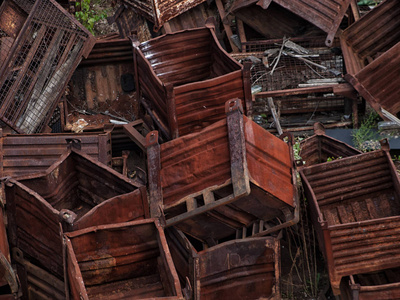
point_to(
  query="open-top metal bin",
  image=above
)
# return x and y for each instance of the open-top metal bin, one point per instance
(252, 265)
(185, 78)
(40, 46)
(232, 178)
(74, 193)
(355, 208)
(121, 261)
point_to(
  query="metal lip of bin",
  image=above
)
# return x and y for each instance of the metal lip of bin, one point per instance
(354, 204)
(227, 179)
(100, 258)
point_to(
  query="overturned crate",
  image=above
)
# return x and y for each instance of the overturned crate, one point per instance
(355, 208)
(127, 260)
(74, 193)
(383, 284)
(186, 90)
(325, 14)
(231, 179)
(40, 46)
(22, 154)
(371, 48)
(320, 147)
(252, 264)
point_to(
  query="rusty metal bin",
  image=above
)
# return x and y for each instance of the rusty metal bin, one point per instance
(40, 46)
(383, 284)
(22, 154)
(371, 48)
(234, 177)
(129, 260)
(355, 208)
(319, 147)
(185, 79)
(252, 265)
(74, 193)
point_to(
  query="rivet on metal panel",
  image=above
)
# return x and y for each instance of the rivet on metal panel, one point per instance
(151, 138)
(67, 216)
(232, 105)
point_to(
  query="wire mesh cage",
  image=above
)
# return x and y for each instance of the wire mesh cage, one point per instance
(40, 55)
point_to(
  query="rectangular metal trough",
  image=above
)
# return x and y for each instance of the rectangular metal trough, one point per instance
(186, 90)
(383, 284)
(40, 46)
(355, 208)
(74, 193)
(22, 154)
(121, 261)
(252, 265)
(232, 178)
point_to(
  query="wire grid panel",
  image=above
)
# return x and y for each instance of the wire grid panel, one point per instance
(291, 72)
(49, 50)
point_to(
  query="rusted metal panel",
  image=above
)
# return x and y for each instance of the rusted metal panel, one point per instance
(37, 283)
(252, 264)
(74, 193)
(377, 82)
(355, 210)
(319, 147)
(372, 35)
(188, 89)
(26, 154)
(161, 11)
(128, 260)
(325, 14)
(230, 177)
(377, 285)
(40, 61)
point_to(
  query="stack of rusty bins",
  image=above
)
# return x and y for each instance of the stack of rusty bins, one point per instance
(252, 265)
(377, 285)
(355, 208)
(23, 154)
(160, 11)
(74, 193)
(371, 48)
(320, 147)
(121, 261)
(41, 45)
(232, 179)
(187, 89)
(325, 14)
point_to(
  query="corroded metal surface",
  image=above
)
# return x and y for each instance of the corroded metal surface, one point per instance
(355, 209)
(121, 261)
(74, 193)
(161, 11)
(228, 178)
(370, 36)
(41, 58)
(252, 264)
(319, 147)
(325, 14)
(377, 285)
(188, 89)
(26, 154)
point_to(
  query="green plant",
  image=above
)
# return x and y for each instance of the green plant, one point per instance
(366, 132)
(88, 16)
(333, 158)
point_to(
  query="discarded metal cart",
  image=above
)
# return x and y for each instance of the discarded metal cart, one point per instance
(127, 260)
(40, 46)
(355, 208)
(186, 90)
(74, 193)
(232, 178)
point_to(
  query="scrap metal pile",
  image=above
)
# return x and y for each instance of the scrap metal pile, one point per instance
(144, 163)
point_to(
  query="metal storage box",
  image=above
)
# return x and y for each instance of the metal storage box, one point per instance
(234, 177)
(121, 261)
(355, 208)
